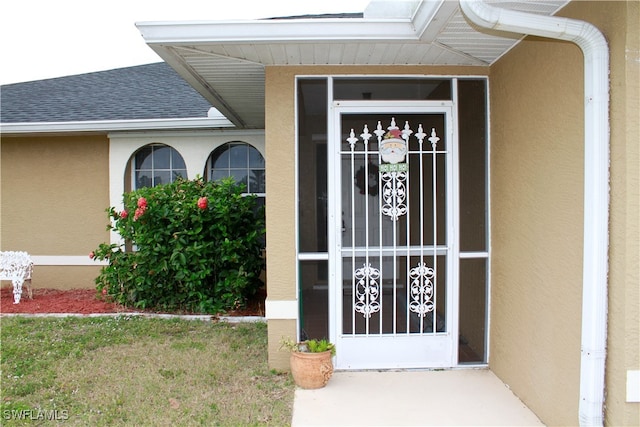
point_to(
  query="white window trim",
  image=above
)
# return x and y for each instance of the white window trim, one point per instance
(194, 147)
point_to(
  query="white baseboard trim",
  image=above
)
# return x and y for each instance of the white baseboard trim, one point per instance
(281, 309)
(66, 260)
(633, 386)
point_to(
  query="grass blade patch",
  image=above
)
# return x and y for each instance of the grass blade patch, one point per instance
(140, 371)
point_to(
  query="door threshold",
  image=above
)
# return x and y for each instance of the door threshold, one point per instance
(479, 367)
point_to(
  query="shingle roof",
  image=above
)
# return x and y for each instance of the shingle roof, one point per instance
(153, 91)
(323, 16)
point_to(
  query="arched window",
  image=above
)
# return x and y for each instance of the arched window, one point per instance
(156, 164)
(241, 161)
(245, 164)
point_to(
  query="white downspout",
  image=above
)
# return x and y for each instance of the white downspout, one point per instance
(596, 182)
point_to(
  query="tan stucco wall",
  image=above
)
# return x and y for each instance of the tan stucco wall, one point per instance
(54, 194)
(536, 193)
(537, 185)
(280, 158)
(279, 330)
(63, 277)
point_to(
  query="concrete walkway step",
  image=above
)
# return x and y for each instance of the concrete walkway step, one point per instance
(469, 397)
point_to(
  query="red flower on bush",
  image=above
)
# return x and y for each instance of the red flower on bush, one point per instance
(202, 203)
(124, 214)
(91, 255)
(142, 208)
(139, 212)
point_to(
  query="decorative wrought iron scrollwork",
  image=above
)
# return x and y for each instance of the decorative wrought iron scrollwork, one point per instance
(422, 278)
(394, 193)
(393, 150)
(367, 290)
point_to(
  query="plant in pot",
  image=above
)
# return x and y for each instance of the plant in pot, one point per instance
(310, 362)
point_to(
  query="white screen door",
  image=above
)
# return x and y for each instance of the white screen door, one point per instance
(392, 272)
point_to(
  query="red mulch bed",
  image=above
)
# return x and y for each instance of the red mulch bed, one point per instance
(87, 301)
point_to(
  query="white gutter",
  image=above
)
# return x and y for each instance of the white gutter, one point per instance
(277, 30)
(596, 182)
(396, 21)
(114, 125)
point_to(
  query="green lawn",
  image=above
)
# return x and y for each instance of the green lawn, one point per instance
(130, 370)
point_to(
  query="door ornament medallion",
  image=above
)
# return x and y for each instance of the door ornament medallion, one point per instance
(393, 173)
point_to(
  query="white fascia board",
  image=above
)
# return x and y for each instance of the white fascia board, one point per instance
(66, 260)
(113, 125)
(173, 133)
(285, 30)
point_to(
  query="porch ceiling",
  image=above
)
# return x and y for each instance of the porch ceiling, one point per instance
(225, 60)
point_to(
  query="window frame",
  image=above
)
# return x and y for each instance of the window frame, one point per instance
(226, 147)
(154, 146)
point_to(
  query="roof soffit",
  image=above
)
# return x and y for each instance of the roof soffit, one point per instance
(225, 60)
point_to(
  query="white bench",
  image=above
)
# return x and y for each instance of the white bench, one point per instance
(17, 267)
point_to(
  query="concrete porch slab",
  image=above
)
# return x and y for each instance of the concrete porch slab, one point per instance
(470, 397)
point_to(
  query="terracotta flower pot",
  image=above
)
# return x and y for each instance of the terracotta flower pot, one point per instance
(311, 370)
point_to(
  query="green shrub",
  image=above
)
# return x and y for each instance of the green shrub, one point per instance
(190, 245)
